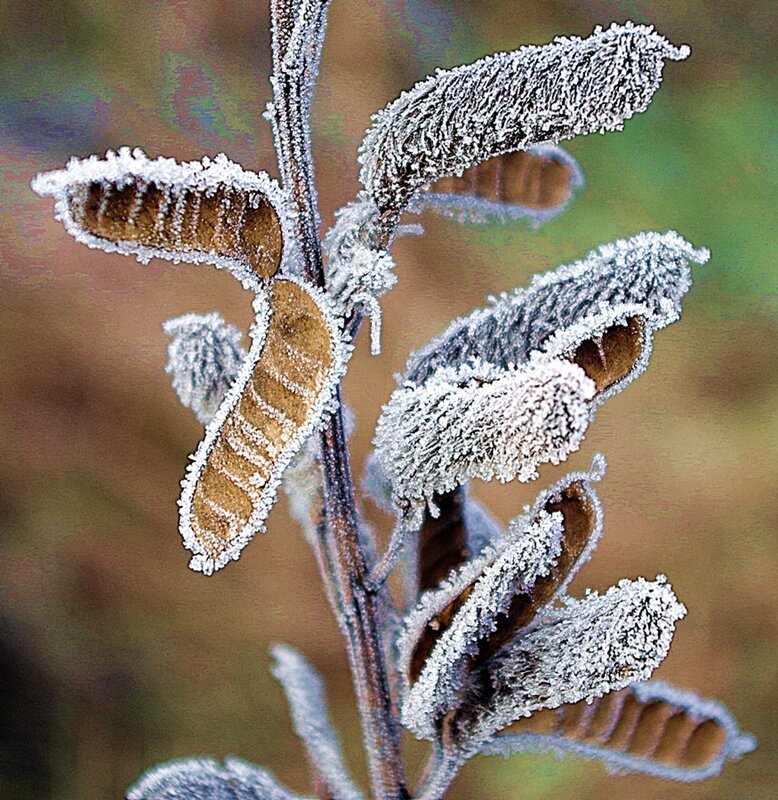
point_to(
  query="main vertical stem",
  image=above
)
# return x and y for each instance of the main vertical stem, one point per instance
(344, 562)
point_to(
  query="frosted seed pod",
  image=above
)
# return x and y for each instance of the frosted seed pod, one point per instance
(210, 211)
(279, 398)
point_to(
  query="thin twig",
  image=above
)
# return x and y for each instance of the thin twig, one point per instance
(344, 567)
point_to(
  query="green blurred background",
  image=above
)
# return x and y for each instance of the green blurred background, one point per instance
(113, 655)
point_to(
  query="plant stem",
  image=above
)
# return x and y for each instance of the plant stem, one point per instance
(343, 565)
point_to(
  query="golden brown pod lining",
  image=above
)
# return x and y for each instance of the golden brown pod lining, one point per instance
(280, 398)
(521, 178)
(611, 357)
(643, 726)
(231, 221)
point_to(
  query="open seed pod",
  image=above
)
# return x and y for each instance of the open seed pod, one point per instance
(211, 211)
(536, 185)
(458, 626)
(648, 727)
(279, 398)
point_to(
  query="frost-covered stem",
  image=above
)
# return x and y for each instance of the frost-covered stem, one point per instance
(343, 566)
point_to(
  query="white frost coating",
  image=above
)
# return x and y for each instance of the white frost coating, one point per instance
(359, 270)
(204, 358)
(593, 475)
(511, 101)
(305, 693)
(131, 166)
(480, 211)
(207, 779)
(583, 650)
(650, 270)
(441, 682)
(481, 422)
(321, 408)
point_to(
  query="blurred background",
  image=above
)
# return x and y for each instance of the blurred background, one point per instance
(113, 655)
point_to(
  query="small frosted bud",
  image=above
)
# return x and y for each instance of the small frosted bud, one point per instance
(204, 358)
(511, 101)
(481, 422)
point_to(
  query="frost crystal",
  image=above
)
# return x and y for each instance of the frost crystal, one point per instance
(206, 779)
(305, 692)
(511, 101)
(204, 358)
(588, 647)
(650, 270)
(481, 422)
(210, 211)
(438, 688)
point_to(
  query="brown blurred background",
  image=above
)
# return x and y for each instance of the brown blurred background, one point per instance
(113, 655)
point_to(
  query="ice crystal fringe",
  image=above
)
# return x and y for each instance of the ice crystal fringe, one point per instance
(204, 358)
(511, 101)
(440, 686)
(210, 483)
(305, 693)
(649, 270)
(481, 422)
(210, 211)
(650, 727)
(504, 189)
(599, 644)
(206, 779)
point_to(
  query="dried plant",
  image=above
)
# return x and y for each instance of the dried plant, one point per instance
(487, 652)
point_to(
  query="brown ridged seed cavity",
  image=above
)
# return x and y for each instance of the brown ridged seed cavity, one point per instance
(580, 521)
(611, 357)
(651, 729)
(520, 178)
(231, 497)
(225, 220)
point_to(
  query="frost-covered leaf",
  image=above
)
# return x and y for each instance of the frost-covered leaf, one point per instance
(478, 421)
(581, 651)
(650, 727)
(511, 101)
(535, 185)
(649, 270)
(210, 211)
(204, 358)
(284, 389)
(206, 779)
(305, 693)
(492, 597)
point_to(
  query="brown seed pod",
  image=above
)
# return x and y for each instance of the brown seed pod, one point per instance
(275, 404)
(582, 522)
(535, 184)
(211, 211)
(650, 727)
